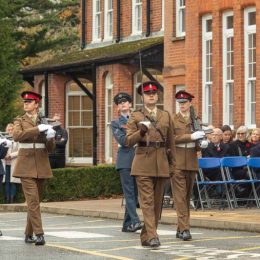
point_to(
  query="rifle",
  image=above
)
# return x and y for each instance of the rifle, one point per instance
(48, 121)
(196, 124)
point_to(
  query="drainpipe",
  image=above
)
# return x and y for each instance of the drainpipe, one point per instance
(83, 25)
(118, 27)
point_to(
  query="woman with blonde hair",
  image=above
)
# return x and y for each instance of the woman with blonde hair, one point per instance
(255, 136)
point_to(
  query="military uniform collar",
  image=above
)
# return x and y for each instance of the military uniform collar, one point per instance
(152, 110)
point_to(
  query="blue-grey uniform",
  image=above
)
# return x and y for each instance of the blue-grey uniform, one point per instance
(125, 157)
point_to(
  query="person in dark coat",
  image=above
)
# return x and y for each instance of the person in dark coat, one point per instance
(57, 157)
(125, 156)
(240, 147)
(4, 145)
(216, 149)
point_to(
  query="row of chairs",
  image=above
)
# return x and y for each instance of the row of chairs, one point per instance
(227, 185)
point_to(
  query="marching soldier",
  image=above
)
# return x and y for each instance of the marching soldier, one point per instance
(125, 157)
(152, 130)
(32, 166)
(186, 163)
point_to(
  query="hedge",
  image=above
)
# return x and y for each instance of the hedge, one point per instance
(79, 183)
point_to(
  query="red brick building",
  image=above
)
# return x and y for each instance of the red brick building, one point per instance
(206, 47)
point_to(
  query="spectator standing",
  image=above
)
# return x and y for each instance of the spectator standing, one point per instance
(57, 156)
(10, 161)
(4, 145)
(152, 130)
(125, 157)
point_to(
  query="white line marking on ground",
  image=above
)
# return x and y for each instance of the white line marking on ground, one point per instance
(10, 238)
(75, 234)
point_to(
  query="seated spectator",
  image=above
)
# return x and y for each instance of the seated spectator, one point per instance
(227, 134)
(255, 136)
(241, 146)
(217, 149)
(209, 135)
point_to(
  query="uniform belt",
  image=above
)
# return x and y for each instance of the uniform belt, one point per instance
(31, 145)
(186, 145)
(152, 144)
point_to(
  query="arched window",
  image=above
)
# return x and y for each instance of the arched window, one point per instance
(108, 118)
(137, 81)
(79, 119)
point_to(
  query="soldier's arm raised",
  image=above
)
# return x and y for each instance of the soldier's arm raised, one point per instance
(21, 134)
(133, 135)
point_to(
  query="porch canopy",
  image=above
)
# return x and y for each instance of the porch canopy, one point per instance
(83, 63)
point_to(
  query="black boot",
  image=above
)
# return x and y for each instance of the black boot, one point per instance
(40, 241)
(29, 239)
(0, 233)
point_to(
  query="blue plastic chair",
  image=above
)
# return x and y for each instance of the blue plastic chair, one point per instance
(203, 185)
(229, 163)
(253, 165)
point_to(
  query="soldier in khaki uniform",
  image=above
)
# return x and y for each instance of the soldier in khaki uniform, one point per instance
(151, 166)
(32, 166)
(186, 163)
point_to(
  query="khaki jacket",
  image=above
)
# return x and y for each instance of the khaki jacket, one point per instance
(186, 155)
(31, 162)
(151, 161)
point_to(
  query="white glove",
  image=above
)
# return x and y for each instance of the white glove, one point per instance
(50, 133)
(146, 123)
(5, 142)
(204, 144)
(44, 127)
(197, 135)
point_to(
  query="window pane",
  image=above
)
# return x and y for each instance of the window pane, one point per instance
(87, 118)
(74, 103)
(252, 18)
(86, 103)
(230, 22)
(209, 25)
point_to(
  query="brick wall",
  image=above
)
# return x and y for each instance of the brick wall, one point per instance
(126, 18)
(183, 57)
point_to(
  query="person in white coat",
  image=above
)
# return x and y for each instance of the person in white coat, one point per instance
(9, 161)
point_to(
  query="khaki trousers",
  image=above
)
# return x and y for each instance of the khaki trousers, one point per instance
(150, 191)
(32, 189)
(182, 182)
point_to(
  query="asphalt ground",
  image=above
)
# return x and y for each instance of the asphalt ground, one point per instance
(78, 237)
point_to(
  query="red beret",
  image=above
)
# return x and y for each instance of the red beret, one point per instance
(183, 96)
(149, 87)
(30, 95)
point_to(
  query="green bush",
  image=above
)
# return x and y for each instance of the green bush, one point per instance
(79, 183)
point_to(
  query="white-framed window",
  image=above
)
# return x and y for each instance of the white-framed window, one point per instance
(79, 123)
(42, 103)
(180, 18)
(228, 69)
(108, 34)
(136, 16)
(178, 88)
(108, 118)
(96, 27)
(207, 68)
(163, 12)
(250, 66)
(137, 81)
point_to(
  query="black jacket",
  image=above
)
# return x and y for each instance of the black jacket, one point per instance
(238, 148)
(216, 151)
(61, 138)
